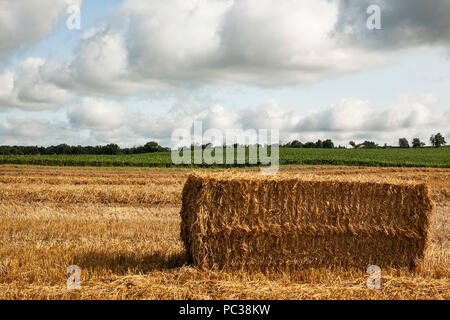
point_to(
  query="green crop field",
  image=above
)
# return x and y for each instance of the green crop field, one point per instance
(395, 157)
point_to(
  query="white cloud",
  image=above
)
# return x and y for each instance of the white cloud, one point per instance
(123, 136)
(161, 126)
(28, 88)
(346, 115)
(258, 42)
(269, 115)
(218, 117)
(100, 121)
(101, 67)
(96, 113)
(155, 45)
(152, 46)
(6, 83)
(26, 130)
(404, 23)
(24, 127)
(408, 111)
(159, 45)
(27, 21)
(348, 119)
(167, 39)
(350, 115)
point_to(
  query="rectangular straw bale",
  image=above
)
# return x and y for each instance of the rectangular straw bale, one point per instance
(284, 223)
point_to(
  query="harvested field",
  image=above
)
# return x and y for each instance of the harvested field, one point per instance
(122, 227)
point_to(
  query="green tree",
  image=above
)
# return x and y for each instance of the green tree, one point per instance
(416, 143)
(328, 144)
(296, 144)
(319, 144)
(369, 145)
(62, 149)
(111, 149)
(437, 140)
(151, 146)
(352, 143)
(403, 143)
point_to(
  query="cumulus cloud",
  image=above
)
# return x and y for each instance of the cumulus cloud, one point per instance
(171, 38)
(159, 45)
(100, 121)
(102, 67)
(155, 45)
(27, 21)
(24, 127)
(270, 115)
(25, 130)
(28, 87)
(405, 23)
(354, 115)
(349, 119)
(161, 126)
(123, 136)
(218, 117)
(346, 115)
(96, 113)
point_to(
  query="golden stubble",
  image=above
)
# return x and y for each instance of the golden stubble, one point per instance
(121, 226)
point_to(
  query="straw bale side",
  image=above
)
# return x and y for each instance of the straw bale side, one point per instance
(285, 223)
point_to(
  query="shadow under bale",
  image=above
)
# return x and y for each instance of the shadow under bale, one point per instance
(122, 262)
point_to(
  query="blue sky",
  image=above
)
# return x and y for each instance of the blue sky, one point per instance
(138, 70)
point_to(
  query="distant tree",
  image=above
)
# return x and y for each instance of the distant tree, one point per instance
(309, 145)
(77, 150)
(416, 143)
(111, 149)
(66, 149)
(151, 146)
(352, 143)
(328, 144)
(403, 143)
(296, 144)
(63, 149)
(319, 144)
(437, 140)
(369, 145)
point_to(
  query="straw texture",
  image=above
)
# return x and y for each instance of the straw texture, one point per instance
(284, 223)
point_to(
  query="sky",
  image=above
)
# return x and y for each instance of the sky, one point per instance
(136, 71)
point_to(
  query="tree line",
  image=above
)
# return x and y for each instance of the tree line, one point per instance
(436, 140)
(326, 144)
(110, 149)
